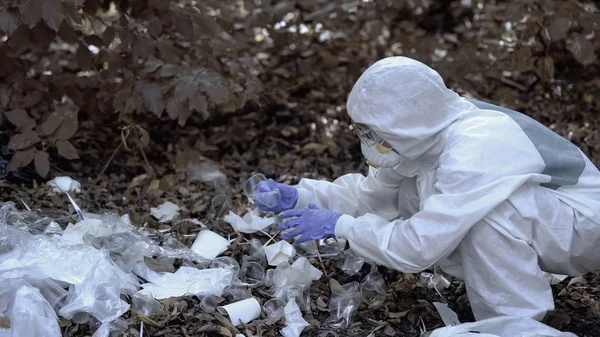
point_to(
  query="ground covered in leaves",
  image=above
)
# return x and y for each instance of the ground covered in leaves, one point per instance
(535, 56)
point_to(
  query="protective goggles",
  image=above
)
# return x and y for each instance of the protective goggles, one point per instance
(366, 135)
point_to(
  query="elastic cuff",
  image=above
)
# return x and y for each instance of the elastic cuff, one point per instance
(304, 197)
(342, 226)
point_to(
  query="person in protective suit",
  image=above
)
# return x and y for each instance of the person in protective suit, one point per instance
(486, 193)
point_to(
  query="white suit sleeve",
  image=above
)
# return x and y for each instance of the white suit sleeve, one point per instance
(417, 243)
(354, 194)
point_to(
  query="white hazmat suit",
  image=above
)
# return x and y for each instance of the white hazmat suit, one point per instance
(486, 193)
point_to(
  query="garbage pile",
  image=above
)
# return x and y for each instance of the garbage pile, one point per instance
(93, 268)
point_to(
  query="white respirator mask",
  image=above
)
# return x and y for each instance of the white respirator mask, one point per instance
(377, 151)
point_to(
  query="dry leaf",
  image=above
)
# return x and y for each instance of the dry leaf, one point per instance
(21, 159)
(53, 13)
(143, 136)
(23, 140)
(66, 150)
(31, 12)
(42, 163)
(396, 315)
(70, 122)
(4, 322)
(582, 49)
(9, 21)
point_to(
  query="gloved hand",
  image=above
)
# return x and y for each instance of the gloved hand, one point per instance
(289, 196)
(312, 223)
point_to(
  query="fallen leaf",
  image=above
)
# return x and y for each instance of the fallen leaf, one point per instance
(401, 314)
(31, 12)
(582, 49)
(53, 13)
(9, 21)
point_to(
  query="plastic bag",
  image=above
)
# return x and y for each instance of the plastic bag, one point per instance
(504, 326)
(99, 295)
(187, 280)
(28, 311)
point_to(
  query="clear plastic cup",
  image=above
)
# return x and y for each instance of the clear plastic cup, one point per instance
(343, 305)
(274, 310)
(350, 263)
(145, 304)
(52, 292)
(372, 289)
(226, 262)
(252, 273)
(268, 198)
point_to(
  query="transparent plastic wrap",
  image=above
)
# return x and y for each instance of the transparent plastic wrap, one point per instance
(27, 310)
(99, 295)
(190, 281)
(343, 305)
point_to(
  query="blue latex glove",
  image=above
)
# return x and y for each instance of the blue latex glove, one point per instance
(312, 223)
(289, 196)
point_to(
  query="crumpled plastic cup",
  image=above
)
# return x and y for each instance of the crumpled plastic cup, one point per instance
(268, 198)
(251, 273)
(372, 289)
(274, 310)
(52, 292)
(343, 305)
(227, 262)
(350, 263)
(145, 304)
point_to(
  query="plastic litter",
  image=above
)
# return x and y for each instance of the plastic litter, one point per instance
(448, 316)
(145, 304)
(437, 280)
(251, 222)
(51, 291)
(243, 311)
(331, 246)
(187, 280)
(27, 310)
(294, 321)
(274, 310)
(555, 278)
(350, 263)
(372, 289)
(237, 292)
(165, 212)
(208, 303)
(252, 192)
(503, 326)
(207, 171)
(65, 184)
(209, 244)
(279, 252)
(305, 267)
(227, 262)
(220, 205)
(114, 328)
(99, 295)
(251, 273)
(343, 305)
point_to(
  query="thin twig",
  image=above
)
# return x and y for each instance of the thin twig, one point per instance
(152, 171)
(320, 259)
(112, 156)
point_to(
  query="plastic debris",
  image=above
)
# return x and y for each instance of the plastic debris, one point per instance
(192, 281)
(503, 326)
(448, 316)
(555, 278)
(165, 212)
(437, 280)
(65, 184)
(27, 311)
(279, 252)
(344, 302)
(251, 273)
(208, 303)
(305, 267)
(252, 192)
(350, 263)
(209, 244)
(243, 311)
(274, 310)
(145, 304)
(227, 262)
(99, 295)
(294, 321)
(252, 222)
(372, 289)
(207, 171)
